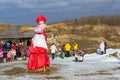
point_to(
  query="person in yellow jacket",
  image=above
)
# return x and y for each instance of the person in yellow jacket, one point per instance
(67, 49)
(75, 46)
(75, 49)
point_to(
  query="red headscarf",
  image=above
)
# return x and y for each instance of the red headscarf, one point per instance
(40, 18)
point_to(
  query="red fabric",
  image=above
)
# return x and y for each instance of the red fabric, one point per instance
(14, 47)
(40, 18)
(44, 33)
(1, 44)
(21, 47)
(38, 58)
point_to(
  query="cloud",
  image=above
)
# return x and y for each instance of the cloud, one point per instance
(65, 9)
(47, 5)
(116, 5)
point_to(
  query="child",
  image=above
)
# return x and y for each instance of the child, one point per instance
(76, 57)
(62, 52)
(63, 55)
(13, 54)
(9, 56)
(79, 55)
(1, 56)
(27, 53)
(53, 49)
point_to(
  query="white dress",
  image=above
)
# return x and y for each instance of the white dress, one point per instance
(39, 39)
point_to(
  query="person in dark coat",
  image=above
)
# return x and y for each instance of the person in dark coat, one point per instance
(18, 53)
(28, 42)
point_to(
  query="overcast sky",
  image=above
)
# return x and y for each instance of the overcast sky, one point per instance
(25, 11)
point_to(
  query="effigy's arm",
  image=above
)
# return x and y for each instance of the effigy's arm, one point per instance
(25, 29)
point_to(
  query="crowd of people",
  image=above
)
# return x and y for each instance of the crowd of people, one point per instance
(67, 50)
(11, 51)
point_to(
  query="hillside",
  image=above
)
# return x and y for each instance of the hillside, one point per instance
(87, 35)
(4, 27)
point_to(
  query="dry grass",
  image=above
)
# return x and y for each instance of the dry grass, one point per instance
(4, 27)
(55, 77)
(88, 36)
(114, 54)
(22, 71)
(113, 78)
(49, 70)
(56, 25)
(95, 73)
(15, 71)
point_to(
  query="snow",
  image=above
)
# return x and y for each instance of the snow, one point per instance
(94, 67)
